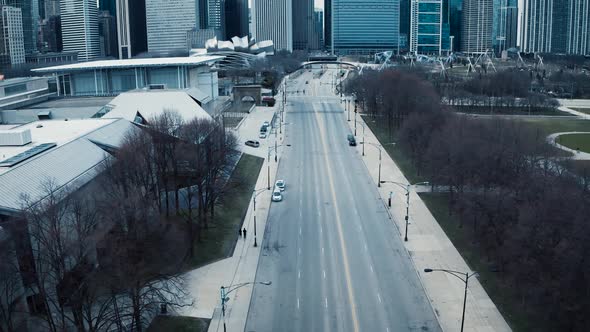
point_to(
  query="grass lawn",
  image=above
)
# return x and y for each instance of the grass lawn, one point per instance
(219, 239)
(396, 154)
(549, 126)
(575, 141)
(178, 324)
(508, 305)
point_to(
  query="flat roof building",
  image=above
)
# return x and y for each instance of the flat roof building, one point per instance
(112, 77)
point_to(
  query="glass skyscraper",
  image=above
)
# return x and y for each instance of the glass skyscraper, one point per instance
(365, 26)
(426, 26)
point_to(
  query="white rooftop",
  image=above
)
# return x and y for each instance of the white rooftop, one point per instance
(51, 131)
(151, 103)
(130, 63)
(81, 149)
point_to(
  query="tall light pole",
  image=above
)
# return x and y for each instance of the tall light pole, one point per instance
(355, 104)
(348, 108)
(256, 193)
(378, 148)
(224, 292)
(463, 276)
(407, 188)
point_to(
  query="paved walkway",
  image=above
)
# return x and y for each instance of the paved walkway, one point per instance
(204, 283)
(577, 155)
(429, 247)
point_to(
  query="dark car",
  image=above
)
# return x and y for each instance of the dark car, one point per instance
(253, 143)
(351, 140)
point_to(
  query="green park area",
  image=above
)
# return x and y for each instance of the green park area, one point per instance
(583, 110)
(579, 142)
(547, 126)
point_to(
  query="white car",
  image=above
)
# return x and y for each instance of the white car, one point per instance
(262, 135)
(277, 196)
(280, 184)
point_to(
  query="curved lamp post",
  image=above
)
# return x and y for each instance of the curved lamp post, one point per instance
(463, 276)
(407, 188)
(226, 290)
(380, 148)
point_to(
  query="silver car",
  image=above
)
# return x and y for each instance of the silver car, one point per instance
(277, 196)
(280, 184)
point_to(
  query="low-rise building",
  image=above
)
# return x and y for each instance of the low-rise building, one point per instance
(23, 91)
(112, 77)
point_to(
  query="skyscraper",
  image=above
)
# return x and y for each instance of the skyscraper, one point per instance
(455, 15)
(236, 23)
(319, 25)
(167, 23)
(556, 26)
(304, 36)
(504, 32)
(273, 21)
(216, 16)
(30, 15)
(328, 23)
(365, 27)
(107, 31)
(12, 46)
(79, 26)
(426, 26)
(131, 28)
(476, 32)
(578, 27)
(404, 23)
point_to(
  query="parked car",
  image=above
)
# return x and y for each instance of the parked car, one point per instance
(262, 134)
(351, 140)
(277, 196)
(280, 184)
(253, 143)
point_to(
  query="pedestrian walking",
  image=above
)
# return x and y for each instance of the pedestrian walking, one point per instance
(240, 231)
(244, 233)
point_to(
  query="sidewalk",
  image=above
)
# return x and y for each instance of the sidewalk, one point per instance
(204, 283)
(429, 247)
(576, 155)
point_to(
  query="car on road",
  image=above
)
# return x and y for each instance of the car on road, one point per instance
(351, 140)
(277, 196)
(280, 184)
(266, 124)
(262, 134)
(252, 143)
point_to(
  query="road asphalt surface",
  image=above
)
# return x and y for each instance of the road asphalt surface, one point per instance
(335, 259)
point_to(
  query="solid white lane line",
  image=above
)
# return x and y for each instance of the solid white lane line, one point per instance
(379, 297)
(326, 301)
(298, 304)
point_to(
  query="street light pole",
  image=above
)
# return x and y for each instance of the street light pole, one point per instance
(407, 188)
(458, 275)
(348, 108)
(256, 193)
(379, 177)
(355, 117)
(268, 169)
(224, 292)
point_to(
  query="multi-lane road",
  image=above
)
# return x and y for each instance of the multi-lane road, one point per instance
(335, 259)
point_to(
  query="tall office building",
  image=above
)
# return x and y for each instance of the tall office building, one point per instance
(79, 27)
(216, 16)
(578, 27)
(477, 24)
(107, 5)
(328, 23)
(404, 23)
(426, 26)
(319, 25)
(167, 23)
(131, 28)
(504, 32)
(236, 23)
(455, 15)
(555, 26)
(107, 31)
(12, 45)
(30, 17)
(273, 21)
(365, 27)
(304, 36)
(50, 32)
